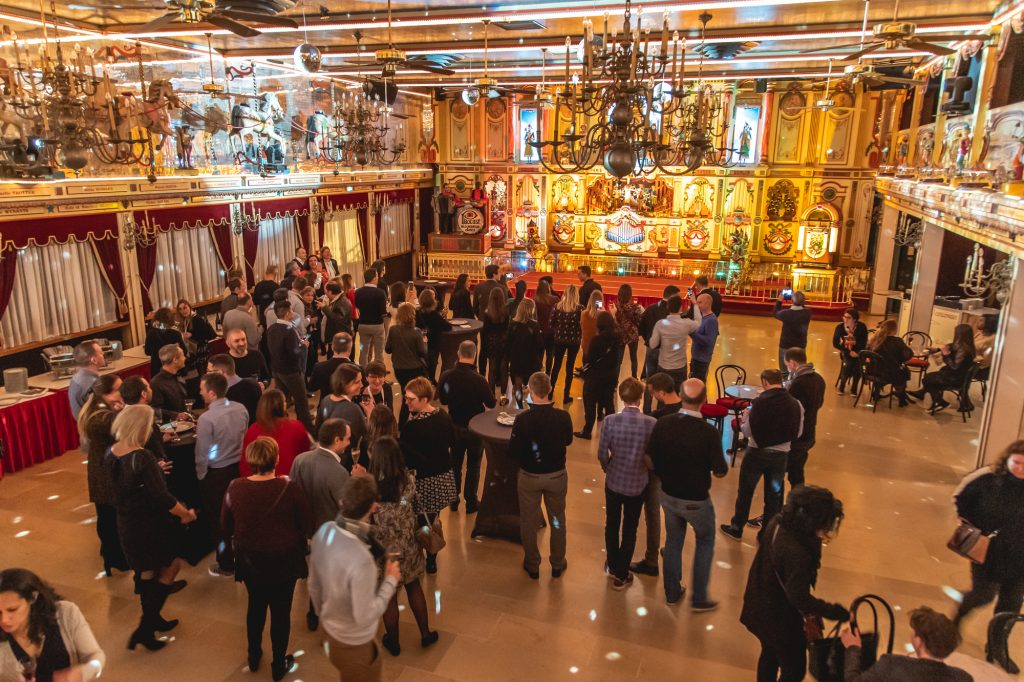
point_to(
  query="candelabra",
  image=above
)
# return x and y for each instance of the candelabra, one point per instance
(628, 108)
(242, 221)
(361, 126)
(908, 233)
(143, 235)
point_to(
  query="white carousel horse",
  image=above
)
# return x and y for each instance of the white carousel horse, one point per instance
(256, 118)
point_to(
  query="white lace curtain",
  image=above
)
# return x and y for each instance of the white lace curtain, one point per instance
(395, 231)
(187, 266)
(58, 290)
(341, 234)
(278, 240)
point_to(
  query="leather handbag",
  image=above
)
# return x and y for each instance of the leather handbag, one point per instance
(431, 538)
(969, 542)
(827, 656)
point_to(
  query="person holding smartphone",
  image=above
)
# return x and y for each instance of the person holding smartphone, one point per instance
(795, 321)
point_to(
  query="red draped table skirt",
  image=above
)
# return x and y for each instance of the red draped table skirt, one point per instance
(39, 429)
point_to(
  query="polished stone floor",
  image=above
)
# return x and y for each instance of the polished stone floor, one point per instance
(895, 471)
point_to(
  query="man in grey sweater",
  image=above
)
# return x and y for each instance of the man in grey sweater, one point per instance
(322, 478)
(89, 360)
(343, 583)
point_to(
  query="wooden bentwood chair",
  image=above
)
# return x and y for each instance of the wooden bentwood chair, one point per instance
(918, 342)
(731, 375)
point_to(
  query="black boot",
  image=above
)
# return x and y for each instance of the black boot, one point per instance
(152, 596)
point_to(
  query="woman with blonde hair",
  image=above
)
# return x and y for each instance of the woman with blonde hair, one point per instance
(894, 354)
(565, 325)
(588, 321)
(268, 520)
(144, 520)
(494, 335)
(408, 349)
(428, 317)
(525, 347)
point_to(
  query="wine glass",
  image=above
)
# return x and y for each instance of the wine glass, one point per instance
(189, 404)
(28, 669)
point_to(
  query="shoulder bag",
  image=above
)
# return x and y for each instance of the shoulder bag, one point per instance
(969, 542)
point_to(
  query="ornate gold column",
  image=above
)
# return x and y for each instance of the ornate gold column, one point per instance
(940, 117)
(767, 111)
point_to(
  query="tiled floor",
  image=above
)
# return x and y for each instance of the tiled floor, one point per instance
(895, 471)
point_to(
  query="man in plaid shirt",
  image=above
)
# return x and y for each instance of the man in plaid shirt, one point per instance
(621, 451)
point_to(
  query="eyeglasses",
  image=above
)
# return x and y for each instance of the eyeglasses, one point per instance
(410, 398)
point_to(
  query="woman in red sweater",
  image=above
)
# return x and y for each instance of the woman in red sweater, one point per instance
(272, 420)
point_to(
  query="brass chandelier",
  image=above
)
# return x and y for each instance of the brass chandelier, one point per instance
(362, 123)
(628, 108)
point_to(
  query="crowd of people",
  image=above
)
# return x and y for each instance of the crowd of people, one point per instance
(348, 495)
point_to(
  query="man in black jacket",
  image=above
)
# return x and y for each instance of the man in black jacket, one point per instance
(588, 285)
(372, 304)
(168, 399)
(773, 422)
(337, 312)
(540, 436)
(934, 638)
(465, 392)
(652, 315)
(289, 354)
(700, 287)
(245, 391)
(808, 387)
(795, 321)
(341, 353)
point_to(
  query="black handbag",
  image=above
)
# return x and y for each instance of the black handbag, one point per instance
(827, 656)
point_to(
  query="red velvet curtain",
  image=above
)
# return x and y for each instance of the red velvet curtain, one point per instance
(250, 243)
(8, 266)
(146, 256)
(108, 255)
(63, 228)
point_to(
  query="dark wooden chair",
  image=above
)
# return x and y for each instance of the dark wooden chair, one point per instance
(918, 342)
(730, 375)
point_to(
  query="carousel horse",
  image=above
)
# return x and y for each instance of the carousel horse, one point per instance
(257, 117)
(156, 109)
(212, 120)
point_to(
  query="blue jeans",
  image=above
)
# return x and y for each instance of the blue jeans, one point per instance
(701, 515)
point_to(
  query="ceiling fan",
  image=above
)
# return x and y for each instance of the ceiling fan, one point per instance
(899, 35)
(227, 14)
(390, 58)
(829, 103)
(487, 85)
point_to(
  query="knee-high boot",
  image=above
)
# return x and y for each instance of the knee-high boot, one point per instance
(152, 596)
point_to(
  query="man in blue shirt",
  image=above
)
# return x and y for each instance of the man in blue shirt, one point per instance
(219, 434)
(702, 343)
(88, 358)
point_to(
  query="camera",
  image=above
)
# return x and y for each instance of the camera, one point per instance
(787, 294)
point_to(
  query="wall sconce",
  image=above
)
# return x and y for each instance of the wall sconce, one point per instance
(833, 239)
(801, 238)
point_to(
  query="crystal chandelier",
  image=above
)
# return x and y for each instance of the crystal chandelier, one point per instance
(362, 126)
(629, 110)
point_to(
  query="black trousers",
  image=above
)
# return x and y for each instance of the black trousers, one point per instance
(294, 386)
(620, 511)
(277, 597)
(214, 486)
(937, 383)
(433, 356)
(850, 371)
(699, 370)
(598, 399)
(633, 364)
(110, 542)
(569, 353)
(467, 446)
(796, 461)
(760, 463)
(1008, 592)
(783, 657)
(549, 352)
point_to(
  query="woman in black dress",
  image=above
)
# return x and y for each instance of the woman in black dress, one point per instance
(426, 440)
(895, 354)
(197, 334)
(602, 373)
(269, 522)
(565, 325)
(159, 333)
(461, 303)
(346, 385)
(784, 571)
(94, 422)
(850, 338)
(495, 334)
(144, 520)
(992, 499)
(957, 357)
(525, 347)
(408, 349)
(428, 317)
